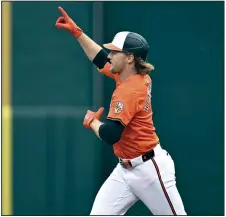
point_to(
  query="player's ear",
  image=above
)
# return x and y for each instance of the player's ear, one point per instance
(130, 59)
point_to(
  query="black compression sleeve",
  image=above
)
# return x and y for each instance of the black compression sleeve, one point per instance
(111, 131)
(101, 59)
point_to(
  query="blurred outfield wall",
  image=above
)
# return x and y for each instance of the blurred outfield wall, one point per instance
(57, 165)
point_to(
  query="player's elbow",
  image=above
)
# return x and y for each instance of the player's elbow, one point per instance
(101, 59)
(111, 131)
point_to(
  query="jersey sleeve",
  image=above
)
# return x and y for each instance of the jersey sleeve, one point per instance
(106, 71)
(124, 107)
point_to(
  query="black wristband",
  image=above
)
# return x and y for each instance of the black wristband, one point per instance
(101, 59)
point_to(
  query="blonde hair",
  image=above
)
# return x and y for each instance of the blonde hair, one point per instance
(142, 67)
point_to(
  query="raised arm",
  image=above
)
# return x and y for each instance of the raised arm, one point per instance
(94, 52)
(90, 47)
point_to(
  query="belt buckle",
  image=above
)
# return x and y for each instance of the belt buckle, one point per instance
(125, 163)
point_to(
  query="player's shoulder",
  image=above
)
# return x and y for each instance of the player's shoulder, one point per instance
(134, 88)
(139, 83)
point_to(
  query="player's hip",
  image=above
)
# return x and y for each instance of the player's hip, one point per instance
(142, 158)
(129, 149)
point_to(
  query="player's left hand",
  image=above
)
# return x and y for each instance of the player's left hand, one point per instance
(90, 116)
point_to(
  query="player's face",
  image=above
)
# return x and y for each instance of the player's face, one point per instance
(118, 61)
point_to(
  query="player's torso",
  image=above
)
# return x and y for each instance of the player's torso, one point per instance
(139, 134)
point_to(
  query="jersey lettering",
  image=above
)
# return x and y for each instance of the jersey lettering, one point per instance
(148, 99)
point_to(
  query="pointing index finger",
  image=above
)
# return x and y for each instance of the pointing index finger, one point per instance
(63, 12)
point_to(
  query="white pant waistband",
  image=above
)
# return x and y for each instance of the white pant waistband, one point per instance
(138, 160)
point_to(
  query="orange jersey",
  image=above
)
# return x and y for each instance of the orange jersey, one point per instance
(131, 105)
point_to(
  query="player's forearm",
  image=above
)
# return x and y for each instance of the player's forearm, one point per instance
(90, 47)
(95, 125)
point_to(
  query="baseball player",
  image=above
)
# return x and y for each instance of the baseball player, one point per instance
(145, 171)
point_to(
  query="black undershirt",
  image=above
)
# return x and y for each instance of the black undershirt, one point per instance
(101, 59)
(111, 131)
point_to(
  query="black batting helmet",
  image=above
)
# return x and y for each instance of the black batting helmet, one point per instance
(130, 42)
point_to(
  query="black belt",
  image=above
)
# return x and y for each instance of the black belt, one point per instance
(145, 157)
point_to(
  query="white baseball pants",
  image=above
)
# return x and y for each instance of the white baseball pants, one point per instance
(152, 182)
